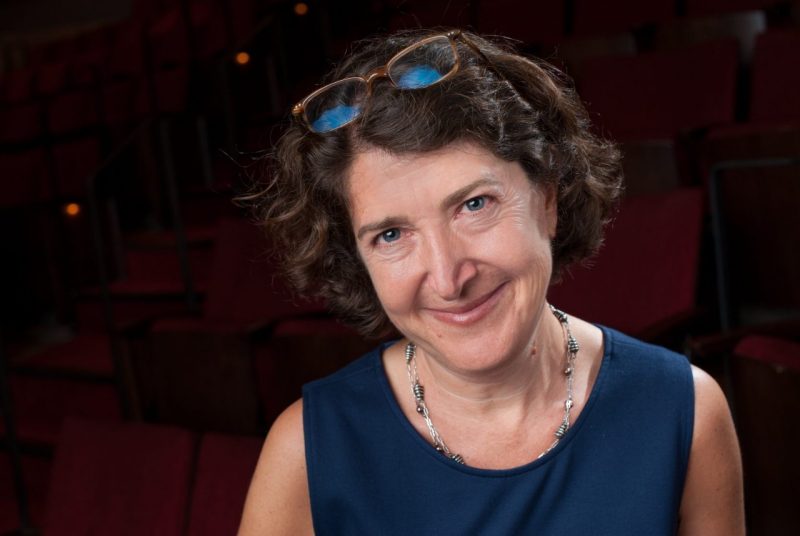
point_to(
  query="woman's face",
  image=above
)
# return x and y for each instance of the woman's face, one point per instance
(457, 244)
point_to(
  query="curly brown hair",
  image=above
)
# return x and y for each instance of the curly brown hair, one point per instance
(520, 109)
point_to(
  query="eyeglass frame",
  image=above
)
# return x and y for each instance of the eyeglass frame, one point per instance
(299, 109)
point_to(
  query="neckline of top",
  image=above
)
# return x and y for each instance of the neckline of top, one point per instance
(597, 388)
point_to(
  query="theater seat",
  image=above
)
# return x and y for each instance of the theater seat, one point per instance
(776, 77)
(595, 17)
(644, 279)
(225, 465)
(530, 22)
(658, 95)
(300, 351)
(199, 373)
(121, 479)
(765, 376)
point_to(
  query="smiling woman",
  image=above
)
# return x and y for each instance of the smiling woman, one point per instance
(440, 211)
(457, 245)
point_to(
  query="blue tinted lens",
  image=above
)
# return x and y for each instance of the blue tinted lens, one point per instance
(417, 77)
(335, 117)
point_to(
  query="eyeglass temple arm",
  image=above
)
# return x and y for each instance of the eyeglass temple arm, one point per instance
(456, 34)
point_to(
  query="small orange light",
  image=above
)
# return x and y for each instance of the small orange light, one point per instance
(300, 8)
(242, 58)
(72, 209)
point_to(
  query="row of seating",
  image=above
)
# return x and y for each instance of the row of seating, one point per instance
(80, 98)
(134, 478)
(547, 23)
(76, 103)
(654, 95)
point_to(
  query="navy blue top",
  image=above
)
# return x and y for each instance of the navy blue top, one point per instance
(619, 470)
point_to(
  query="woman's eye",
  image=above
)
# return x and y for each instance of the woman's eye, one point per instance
(476, 203)
(390, 235)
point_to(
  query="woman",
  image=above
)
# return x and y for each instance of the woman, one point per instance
(436, 188)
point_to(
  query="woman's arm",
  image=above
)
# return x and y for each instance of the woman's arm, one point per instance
(713, 498)
(277, 502)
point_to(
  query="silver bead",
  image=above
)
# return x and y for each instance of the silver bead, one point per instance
(419, 391)
(568, 404)
(560, 315)
(420, 409)
(568, 371)
(572, 345)
(457, 458)
(562, 430)
(410, 350)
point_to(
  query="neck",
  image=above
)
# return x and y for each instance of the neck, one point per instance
(529, 380)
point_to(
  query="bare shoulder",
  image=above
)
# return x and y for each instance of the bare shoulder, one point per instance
(713, 498)
(278, 502)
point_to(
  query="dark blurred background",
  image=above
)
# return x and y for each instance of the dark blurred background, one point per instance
(147, 341)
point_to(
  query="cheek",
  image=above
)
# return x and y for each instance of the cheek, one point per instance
(393, 283)
(522, 244)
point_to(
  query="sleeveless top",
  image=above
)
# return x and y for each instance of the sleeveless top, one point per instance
(619, 469)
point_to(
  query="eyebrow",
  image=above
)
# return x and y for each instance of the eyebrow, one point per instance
(458, 196)
(452, 199)
(386, 223)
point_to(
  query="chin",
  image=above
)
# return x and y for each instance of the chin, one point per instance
(475, 349)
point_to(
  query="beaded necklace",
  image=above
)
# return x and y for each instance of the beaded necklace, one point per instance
(418, 391)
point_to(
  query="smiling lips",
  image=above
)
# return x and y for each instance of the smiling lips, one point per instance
(471, 312)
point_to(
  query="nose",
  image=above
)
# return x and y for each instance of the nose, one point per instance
(449, 266)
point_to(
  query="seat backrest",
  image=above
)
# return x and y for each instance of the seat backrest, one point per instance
(743, 26)
(659, 94)
(225, 465)
(650, 167)
(765, 378)
(646, 272)
(24, 178)
(609, 16)
(696, 8)
(776, 77)
(119, 478)
(532, 22)
(301, 351)
(245, 284)
(759, 222)
(571, 53)
(427, 14)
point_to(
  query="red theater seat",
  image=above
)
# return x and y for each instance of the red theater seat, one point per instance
(224, 468)
(610, 16)
(17, 85)
(122, 479)
(200, 371)
(534, 22)
(743, 26)
(426, 14)
(20, 123)
(172, 89)
(765, 377)
(75, 161)
(24, 178)
(298, 352)
(41, 404)
(776, 77)
(75, 110)
(661, 94)
(51, 78)
(36, 476)
(644, 279)
(696, 8)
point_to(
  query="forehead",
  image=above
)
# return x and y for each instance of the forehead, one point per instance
(378, 179)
